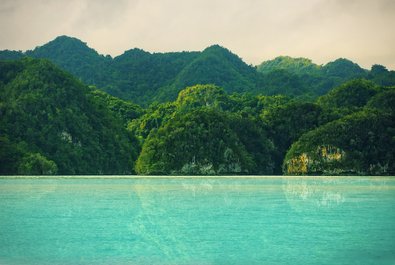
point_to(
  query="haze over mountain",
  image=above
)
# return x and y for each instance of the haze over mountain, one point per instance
(256, 30)
(145, 77)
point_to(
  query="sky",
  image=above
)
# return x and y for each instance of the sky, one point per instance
(256, 30)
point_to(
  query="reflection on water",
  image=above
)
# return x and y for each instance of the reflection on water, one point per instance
(305, 193)
(302, 193)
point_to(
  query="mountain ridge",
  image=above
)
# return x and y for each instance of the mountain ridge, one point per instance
(145, 77)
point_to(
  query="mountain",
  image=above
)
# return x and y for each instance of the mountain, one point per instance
(51, 123)
(352, 94)
(200, 133)
(218, 66)
(75, 57)
(343, 68)
(139, 75)
(11, 55)
(206, 131)
(214, 65)
(359, 141)
(300, 76)
(296, 66)
(142, 76)
(358, 144)
(145, 77)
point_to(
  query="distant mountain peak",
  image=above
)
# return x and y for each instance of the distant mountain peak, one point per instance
(224, 54)
(216, 48)
(66, 41)
(62, 44)
(133, 53)
(343, 67)
(290, 64)
(65, 37)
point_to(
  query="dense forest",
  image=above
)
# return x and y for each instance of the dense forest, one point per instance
(144, 77)
(53, 124)
(65, 109)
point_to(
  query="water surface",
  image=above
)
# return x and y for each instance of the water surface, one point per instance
(270, 220)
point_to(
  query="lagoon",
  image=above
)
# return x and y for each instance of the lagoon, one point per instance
(197, 220)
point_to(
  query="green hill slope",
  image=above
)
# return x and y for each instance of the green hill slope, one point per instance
(50, 123)
(360, 141)
(145, 77)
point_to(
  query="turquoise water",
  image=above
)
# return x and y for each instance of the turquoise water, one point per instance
(272, 220)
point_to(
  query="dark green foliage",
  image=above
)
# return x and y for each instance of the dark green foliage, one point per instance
(287, 123)
(296, 66)
(36, 164)
(125, 110)
(210, 96)
(145, 77)
(198, 96)
(253, 135)
(51, 123)
(11, 55)
(281, 82)
(384, 101)
(300, 77)
(217, 65)
(343, 69)
(77, 58)
(204, 132)
(202, 142)
(139, 75)
(9, 155)
(362, 143)
(352, 95)
(155, 116)
(264, 126)
(231, 119)
(381, 76)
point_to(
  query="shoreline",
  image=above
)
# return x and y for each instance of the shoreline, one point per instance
(178, 177)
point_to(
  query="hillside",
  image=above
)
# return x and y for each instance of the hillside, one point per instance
(300, 76)
(145, 77)
(205, 131)
(51, 123)
(296, 66)
(360, 141)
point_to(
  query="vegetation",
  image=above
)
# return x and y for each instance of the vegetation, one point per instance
(53, 124)
(144, 77)
(201, 113)
(301, 77)
(202, 137)
(360, 142)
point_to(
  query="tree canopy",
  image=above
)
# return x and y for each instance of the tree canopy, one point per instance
(51, 123)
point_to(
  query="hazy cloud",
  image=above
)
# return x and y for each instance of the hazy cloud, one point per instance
(256, 30)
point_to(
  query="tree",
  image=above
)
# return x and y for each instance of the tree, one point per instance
(37, 164)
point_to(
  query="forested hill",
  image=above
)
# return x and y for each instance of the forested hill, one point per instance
(350, 130)
(145, 77)
(51, 123)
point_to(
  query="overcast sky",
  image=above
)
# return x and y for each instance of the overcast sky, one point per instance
(256, 30)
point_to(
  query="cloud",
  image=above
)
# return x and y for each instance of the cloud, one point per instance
(256, 30)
